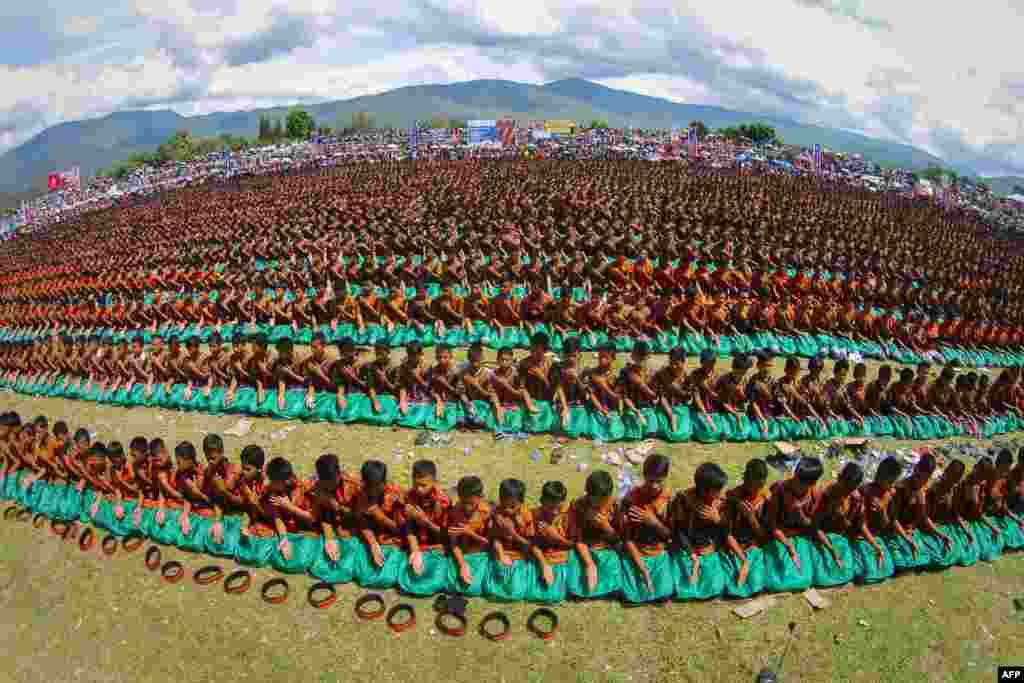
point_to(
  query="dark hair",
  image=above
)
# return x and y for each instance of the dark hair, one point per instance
(957, 464)
(374, 472)
(889, 469)
(213, 442)
(656, 466)
(809, 470)
(709, 477)
(253, 455)
(280, 469)
(185, 450)
(599, 484)
(757, 470)
(553, 492)
(1005, 457)
(470, 486)
(539, 339)
(926, 464)
(424, 468)
(852, 474)
(115, 450)
(60, 428)
(156, 445)
(327, 467)
(512, 488)
(139, 443)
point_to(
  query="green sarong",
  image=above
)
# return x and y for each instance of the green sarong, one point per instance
(989, 547)
(634, 587)
(1011, 532)
(168, 533)
(827, 572)
(867, 568)
(369, 575)
(711, 578)
(433, 579)
(608, 564)
(231, 527)
(198, 533)
(254, 550)
(305, 549)
(903, 558)
(342, 571)
(757, 577)
(942, 555)
(782, 575)
(563, 573)
(510, 583)
(479, 565)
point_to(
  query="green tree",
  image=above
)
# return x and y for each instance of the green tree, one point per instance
(758, 133)
(276, 131)
(457, 123)
(702, 130)
(439, 121)
(264, 133)
(324, 131)
(598, 124)
(299, 124)
(361, 121)
(933, 174)
(730, 133)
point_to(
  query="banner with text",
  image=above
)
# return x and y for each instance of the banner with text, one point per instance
(481, 131)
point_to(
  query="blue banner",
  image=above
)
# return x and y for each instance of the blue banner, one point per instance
(483, 131)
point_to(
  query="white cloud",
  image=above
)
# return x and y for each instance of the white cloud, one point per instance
(924, 75)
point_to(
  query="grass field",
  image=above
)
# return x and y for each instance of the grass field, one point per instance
(74, 616)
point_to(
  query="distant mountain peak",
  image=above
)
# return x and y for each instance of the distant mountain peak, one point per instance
(99, 143)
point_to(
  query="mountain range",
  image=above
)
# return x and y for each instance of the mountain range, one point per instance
(98, 143)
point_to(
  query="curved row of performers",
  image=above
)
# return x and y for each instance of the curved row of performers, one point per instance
(459, 310)
(534, 394)
(702, 542)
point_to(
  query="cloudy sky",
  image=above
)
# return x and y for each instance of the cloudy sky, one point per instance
(908, 71)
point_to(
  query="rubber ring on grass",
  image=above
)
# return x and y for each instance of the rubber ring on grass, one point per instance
(399, 626)
(109, 545)
(238, 582)
(132, 542)
(543, 613)
(11, 512)
(153, 558)
(39, 521)
(443, 624)
(368, 615)
(87, 539)
(172, 572)
(322, 603)
(204, 576)
(268, 588)
(502, 619)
